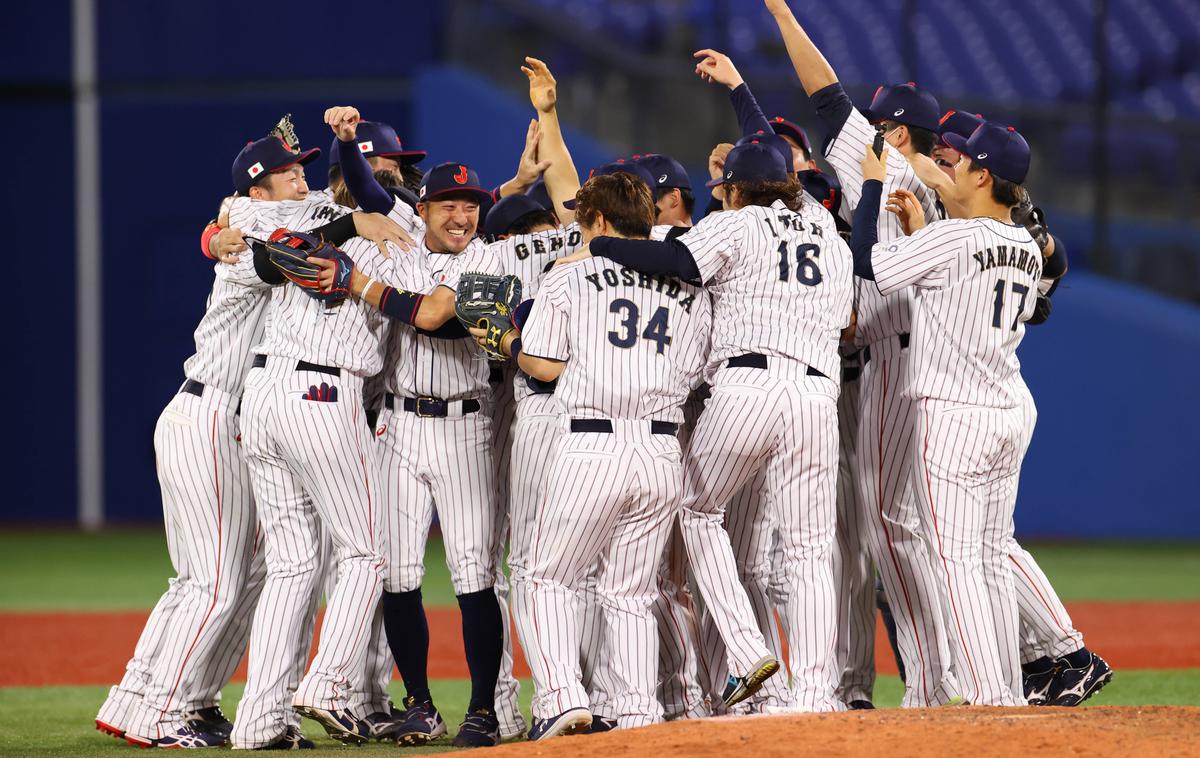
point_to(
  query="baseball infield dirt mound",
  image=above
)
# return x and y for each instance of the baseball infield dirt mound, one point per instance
(1107, 731)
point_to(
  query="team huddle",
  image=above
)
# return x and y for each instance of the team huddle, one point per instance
(659, 452)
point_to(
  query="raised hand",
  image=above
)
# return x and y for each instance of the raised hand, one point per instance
(343, 120)
(717, 67)
(529, 168)
(873, 166)
(542, 87)
(380, 229)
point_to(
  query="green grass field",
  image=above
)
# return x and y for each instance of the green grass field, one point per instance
(128, 570)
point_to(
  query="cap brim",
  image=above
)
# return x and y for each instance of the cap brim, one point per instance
(715, 182)
(569, 204)
(955, 141)
(484, 195)
(406, 156)
(305, 158)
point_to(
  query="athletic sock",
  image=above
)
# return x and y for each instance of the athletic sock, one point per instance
(1040, 666)
(1079, 658)
(408, 637)
(483, 640)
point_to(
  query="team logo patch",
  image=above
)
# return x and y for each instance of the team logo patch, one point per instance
(728, 174)
(366, 146)
(381, 431)
(981, 156)
(461, 177)
(899, 112)
(662, 178)
(255, 170)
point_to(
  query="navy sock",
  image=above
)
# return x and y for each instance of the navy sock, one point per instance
(1040, 666)
(483, 640)
(408, 637)
(1079, 658)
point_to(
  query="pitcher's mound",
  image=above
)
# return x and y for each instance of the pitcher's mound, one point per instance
(940, 732)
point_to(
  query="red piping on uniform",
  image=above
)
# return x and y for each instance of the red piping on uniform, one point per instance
(216, 585)
(942, 553)
(912, 619)
(1041, 597)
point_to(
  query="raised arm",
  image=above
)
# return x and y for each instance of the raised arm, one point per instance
(529, 168)
(562, 180)
(356, 171)
(813, 70)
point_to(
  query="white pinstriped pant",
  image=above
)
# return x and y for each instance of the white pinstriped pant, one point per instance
(1046, 627)
(447, 463)
(967, 463)
(613, 495)
(890, 517)
(197, 633)
(784, 423)
(313, 468)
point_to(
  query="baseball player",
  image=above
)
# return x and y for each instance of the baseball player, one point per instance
(618, 455)
(1057, 668)
(772, 407)
(437, 451)
(975, 415)
(906, 117)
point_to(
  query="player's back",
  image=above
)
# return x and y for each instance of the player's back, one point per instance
(780, 281)
(637, 342)
(970, 314)
(526, 256)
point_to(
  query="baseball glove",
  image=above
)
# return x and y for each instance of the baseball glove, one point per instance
(1031, 217)
(289, 252)
(488, 301)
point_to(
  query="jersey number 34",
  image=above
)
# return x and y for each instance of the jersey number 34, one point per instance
(626, 333)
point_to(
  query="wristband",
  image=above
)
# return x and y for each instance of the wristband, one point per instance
(210, 231)
(366, 290)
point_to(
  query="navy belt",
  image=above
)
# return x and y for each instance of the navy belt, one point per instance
(495, 373)
(903, 337)
(260, 361)
(193, 387)
(430, 407)
(604, 426)
(758, 360)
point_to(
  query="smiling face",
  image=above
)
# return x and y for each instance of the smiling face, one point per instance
(288, 184)
(450, 222)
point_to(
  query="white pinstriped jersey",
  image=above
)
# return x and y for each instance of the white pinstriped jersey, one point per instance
(878, 317)
(780, 282)
(423, 366)
(349, 335)
(525, 256)
(976, 285)
(234, 320)
(634, 343)
(406, 216)
(258, 218)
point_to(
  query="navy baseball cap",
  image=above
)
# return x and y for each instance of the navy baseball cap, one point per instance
(445, 178)
(379, 139)
(538, 192)
(773, 141)
(506, 212)
(785, 128)
(823, 187)
(266, 156)
(904, 104)
(998, 148)
(616, 167)
(753, 162)
(664, 170)
(958, 122)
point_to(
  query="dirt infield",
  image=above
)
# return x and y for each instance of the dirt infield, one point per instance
(1103, 731)
(39, 649)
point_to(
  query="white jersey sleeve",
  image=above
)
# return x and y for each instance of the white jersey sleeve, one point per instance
(714, 242)
(546, 331)
(406, 216)
(922, 259)
(478, 258)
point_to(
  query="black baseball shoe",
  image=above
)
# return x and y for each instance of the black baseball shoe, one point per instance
(422, 724)
(480, 728)
(1038, 678)
(209, 720)
(291, 740)
(1073, 685)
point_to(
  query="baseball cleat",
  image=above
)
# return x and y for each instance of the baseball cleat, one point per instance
(1074, 685)
(860, 705)
(384, 725)
(291, 740)
(738, 688)
(422, 724)
(339, 724)
(110, 730)
(602, 724)
(191, 738)
(479, 729)
(574, 721)
(209, 720)
(1038, 678)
